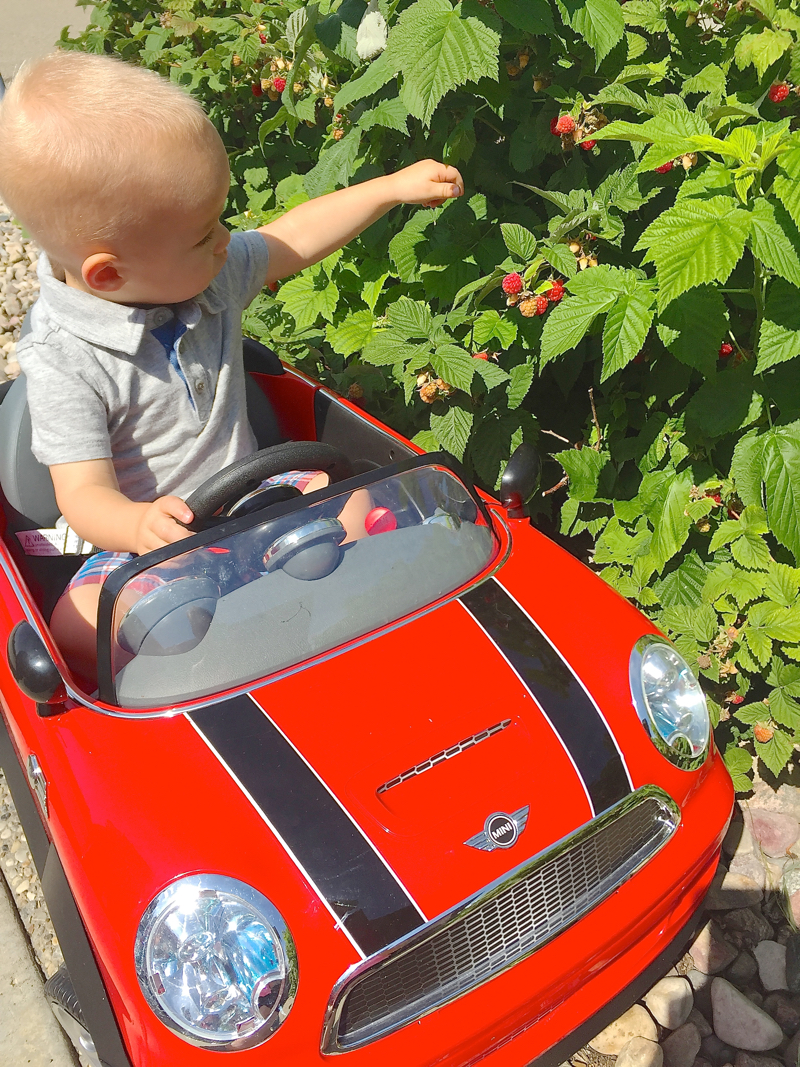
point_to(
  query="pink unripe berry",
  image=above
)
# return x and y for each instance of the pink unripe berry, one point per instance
(725, 350)
(566, 124)
(279, 83)
(512, 284)
(778, 92)
(665, 168)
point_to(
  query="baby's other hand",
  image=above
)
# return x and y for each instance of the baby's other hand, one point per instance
(159, 524)
(428, 183)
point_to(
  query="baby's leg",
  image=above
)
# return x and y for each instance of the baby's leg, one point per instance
(74, 628)
(354, 512)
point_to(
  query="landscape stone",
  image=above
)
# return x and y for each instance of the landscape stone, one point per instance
(793, 963)
(639, 1052)
(773, 831)
(704, 1027)
(743, 970)
(670, 1001)
(784, 1011)
(749, 864)
(636, 1022)
(716, 1051)
(681, 1046)
(790, 1053)
(738, 838)
(701, 984)
(748, 1059)
(745, 927)
(739, 1022)
(734, 891)
(771, 960)
(710, 951)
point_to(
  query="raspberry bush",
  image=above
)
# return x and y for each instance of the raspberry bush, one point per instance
(621, 281)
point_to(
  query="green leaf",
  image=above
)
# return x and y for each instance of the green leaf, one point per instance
(386, 347)
(740, 767)
(724, 403)
(335, 166)
(519, 241)
(520, 383)
(308, 296)
(671, 527)
(773, 241)
(560, 258)
(437, 49)
(491, 324)
(779, 338)
(711, 80)
(777, 752)
(452, 429)
(692, 327)
(761, 49)
(782, 585)
(377, 74)
(352, 334)
(728, 579)
(491, 374)
(751, 552)
(684, 586)
(787, 191)
(583, 467)
(645, 14)
(599, 22)
(695, 241)
(627, 326)
(533, 16)
(593, 291)
(769, 464)
(454, 365)
(390, 113)
(427, 440)
(411, 318)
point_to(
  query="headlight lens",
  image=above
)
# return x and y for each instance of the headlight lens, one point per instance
(216, 962)
(670, 702)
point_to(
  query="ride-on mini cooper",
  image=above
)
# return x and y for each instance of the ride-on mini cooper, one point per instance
(426, 793)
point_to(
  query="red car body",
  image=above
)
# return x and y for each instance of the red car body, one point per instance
(135, 801)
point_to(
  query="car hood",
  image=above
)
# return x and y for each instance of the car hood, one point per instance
(380, 769)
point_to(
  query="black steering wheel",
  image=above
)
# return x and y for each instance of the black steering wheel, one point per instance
(245, 475)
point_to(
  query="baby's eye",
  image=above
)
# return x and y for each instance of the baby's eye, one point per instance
(207, 238)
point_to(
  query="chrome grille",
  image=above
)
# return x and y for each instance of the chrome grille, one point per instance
(500, 925)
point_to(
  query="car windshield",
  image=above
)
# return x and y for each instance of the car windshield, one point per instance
(283, 590)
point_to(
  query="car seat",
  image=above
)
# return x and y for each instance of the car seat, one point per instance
(30, 501)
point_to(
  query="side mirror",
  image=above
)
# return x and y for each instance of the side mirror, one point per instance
(520, 480)
(34, 670)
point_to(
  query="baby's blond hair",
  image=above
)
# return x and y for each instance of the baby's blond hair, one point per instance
(90, 144)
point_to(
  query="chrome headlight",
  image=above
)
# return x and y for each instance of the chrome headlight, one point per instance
(216, 962)
(670, 702)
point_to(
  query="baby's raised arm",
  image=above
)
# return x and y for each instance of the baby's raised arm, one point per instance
(89, 498)
(312, 231)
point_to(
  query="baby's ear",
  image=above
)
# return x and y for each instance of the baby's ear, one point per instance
(100, 272)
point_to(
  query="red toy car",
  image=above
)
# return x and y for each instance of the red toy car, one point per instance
(434, 794)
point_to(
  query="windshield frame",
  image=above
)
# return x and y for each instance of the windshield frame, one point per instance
(119, 578)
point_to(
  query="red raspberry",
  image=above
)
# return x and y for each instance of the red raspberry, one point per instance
(512, 284)
(256, 89)
(737, 698)
(566, 124)
(725, 350)
(263, 38)
(665, 168)
(715, 497)
(480, 355)
(553, 124)
(556, 293)
(541, 305)
(272, 286)
(587, 146)
(778, 92)
(279, 83)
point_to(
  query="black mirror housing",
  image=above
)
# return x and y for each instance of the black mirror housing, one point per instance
(33, 669)
(520, 480)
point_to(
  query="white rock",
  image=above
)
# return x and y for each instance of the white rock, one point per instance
(636, 1022)
(639, 1052)
(738, 1022)
(771, 960)
(670, 1001)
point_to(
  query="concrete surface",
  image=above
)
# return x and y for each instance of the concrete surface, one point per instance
(29, 1033)
(30, 28)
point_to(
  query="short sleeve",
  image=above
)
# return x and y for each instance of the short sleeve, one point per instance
(69, 421)
(245, 271)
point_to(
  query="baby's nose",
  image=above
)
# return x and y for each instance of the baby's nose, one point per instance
(223, 241)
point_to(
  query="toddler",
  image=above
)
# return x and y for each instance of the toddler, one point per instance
(134, 360)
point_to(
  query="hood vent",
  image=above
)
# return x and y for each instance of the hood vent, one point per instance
(445, 754)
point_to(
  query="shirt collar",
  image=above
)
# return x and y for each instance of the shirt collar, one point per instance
(109, 325)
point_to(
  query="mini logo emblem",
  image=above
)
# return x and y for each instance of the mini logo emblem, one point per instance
(500, 830)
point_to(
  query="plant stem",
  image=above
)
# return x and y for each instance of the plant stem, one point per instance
(759, 284)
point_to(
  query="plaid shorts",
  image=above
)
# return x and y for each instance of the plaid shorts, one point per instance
(98, 567)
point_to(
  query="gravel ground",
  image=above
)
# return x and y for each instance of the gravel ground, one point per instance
(18, 289)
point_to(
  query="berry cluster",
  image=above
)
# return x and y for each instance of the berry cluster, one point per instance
(515, 66)
(578, 132)
(687, 161)
(338, 128)
(584, 255)
(432, 389)
(529, 303)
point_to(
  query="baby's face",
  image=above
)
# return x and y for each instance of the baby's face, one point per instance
(177, 253)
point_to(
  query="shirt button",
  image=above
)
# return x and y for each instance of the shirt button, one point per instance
(200, 385)
(161, 316)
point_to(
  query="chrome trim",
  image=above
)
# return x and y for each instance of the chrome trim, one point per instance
(487, 842)
(684, 763)
(211, 885)
(37, 782)
(444, 754)
(669, 819)
(258, 683)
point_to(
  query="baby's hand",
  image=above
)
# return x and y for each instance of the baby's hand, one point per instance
(428, 183)
(158, 526)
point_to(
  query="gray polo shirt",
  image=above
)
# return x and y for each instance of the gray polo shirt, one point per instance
(101, 384)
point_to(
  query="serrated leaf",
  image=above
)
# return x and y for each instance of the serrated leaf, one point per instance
(452, 429)
(583, 466)
(627, 325)
(491, 324)
(533, 16)
(491, 374)
(593, 291)
(427, 440)
(694, 325)
(308, 296)
(751, 552)
(335, 165)
(411, 318)
(519, 241)
(711, 80)
(774, 240)
(787, 191)
(671, 525)
(390, 113)
(599, 22)
(454, 365)
(776, 752)
(684, 586)
(352, 334)
(438, 48)
(637, 45)
(561, 259)
(779, 338)
(724, 403)
(645, 14)
(740, 767)
(768, 464)
(377, 74)
(695, 241)
(520, 383)
(386, 347)
(294, 26)
(761, 49)
(782, 585)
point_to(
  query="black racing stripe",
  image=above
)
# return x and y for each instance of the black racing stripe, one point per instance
(555, 688)
(366, 896)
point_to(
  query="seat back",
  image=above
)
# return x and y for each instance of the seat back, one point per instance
(26, 482)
